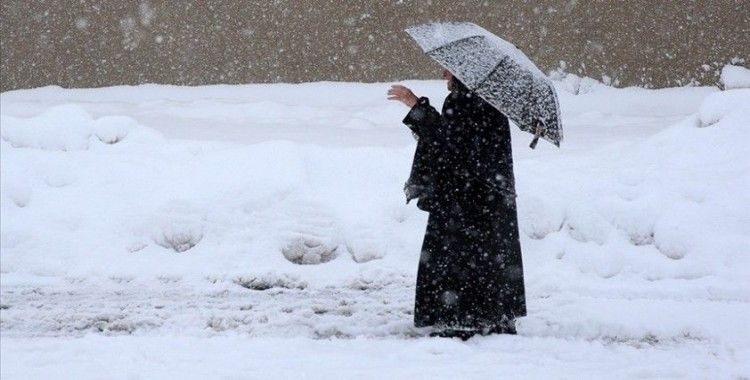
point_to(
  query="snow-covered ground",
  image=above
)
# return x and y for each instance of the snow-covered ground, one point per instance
(260, 231)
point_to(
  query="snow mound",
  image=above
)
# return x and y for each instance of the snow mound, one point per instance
(67, 127)
(309, 250)
(654, 207)
(671, 206)
(179, 227)
(574, 84)
(733, 76)
(179, 237)
(733, 104)
(643, 211)
(540, 217)
(268, 281)
(366, 248)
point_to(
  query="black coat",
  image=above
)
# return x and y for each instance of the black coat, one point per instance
(470, 271)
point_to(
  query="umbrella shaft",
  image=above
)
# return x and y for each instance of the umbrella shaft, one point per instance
(539, 132)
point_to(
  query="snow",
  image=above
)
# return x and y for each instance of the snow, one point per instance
(725, 105)
(236, 357)
(261, 231)
(69, 127)
(735, 76)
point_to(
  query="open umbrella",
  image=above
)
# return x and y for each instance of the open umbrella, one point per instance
(497, 71)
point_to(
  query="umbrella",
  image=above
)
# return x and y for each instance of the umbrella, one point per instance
(497, 71)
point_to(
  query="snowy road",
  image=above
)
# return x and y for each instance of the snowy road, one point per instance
(158, 231)
(361, 330)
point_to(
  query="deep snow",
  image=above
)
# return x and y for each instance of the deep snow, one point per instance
(261, 231)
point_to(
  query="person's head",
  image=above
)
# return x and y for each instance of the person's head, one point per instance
(447, 75)
(454, 84)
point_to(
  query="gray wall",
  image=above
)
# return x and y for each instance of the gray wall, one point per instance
(90, 43)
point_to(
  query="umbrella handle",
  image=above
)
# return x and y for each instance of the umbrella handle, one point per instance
(539, 133)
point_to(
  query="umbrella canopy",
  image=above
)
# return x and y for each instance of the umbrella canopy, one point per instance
(498, 72)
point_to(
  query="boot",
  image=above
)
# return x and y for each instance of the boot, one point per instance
(506, 326)
(451, 333)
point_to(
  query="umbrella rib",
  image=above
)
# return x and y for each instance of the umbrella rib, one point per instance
(452, 43)
(489, 73)
(461, 40)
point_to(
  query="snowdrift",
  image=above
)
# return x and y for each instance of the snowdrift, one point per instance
(277, 211)
(85, 194)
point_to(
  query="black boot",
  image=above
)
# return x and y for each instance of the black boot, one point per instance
(506, 326)
(451, 333)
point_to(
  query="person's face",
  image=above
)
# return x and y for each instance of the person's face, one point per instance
(449, 77)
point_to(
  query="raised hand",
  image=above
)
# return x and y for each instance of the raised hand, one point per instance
(402, 94)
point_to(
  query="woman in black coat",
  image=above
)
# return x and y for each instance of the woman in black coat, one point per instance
(470, 275)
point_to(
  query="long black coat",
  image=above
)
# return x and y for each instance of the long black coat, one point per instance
(470, 273)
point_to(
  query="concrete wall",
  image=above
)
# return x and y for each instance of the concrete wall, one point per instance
(86, 43)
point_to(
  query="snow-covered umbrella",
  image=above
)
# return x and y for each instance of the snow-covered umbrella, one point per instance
(497, 71)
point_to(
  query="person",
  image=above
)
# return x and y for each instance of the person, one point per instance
(470, 273)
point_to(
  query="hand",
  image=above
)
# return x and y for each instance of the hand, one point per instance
(402, 94)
